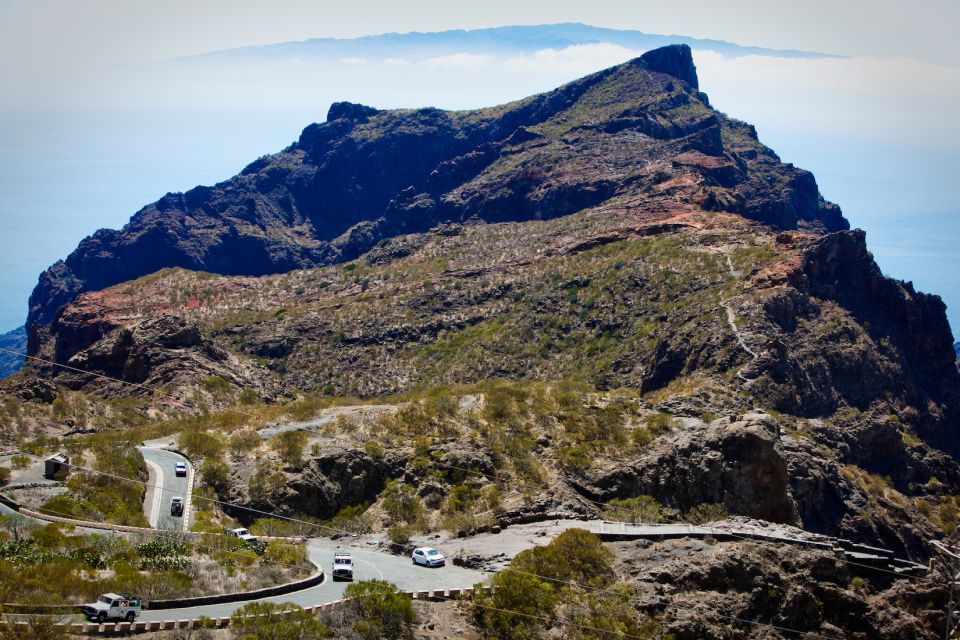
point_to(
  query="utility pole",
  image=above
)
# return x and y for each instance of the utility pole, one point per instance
(949, 553)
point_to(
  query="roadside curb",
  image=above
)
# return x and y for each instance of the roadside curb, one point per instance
(111, 628)
(239, 596)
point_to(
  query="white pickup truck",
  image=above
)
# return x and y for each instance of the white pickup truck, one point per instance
(113, 606)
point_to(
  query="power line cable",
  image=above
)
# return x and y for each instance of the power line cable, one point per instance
(467, 470)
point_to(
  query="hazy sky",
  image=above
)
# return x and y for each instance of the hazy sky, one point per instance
(42, 40)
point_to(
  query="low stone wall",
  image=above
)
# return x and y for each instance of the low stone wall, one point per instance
(240, 596)
(111, 628)
(106, 526)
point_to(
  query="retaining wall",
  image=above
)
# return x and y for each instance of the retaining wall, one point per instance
(241, 596)
(111, 628)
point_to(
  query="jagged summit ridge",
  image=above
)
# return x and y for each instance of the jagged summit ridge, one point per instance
(675, 60)
(639, 133)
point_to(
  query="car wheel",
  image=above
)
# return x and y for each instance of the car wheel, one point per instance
(131, 616)
(101, 617)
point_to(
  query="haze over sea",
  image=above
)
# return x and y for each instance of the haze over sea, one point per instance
(878, 134)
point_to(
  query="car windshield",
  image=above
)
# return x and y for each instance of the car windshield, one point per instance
(433, 552)
(242, 532)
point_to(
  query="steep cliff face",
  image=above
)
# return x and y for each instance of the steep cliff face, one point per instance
(16, 342)
(640, 130)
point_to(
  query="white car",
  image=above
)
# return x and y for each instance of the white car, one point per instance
(181, 469)
(428, 557)
(176, 506)
(243, 534)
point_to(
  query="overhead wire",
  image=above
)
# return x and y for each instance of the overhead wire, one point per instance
(577, 496)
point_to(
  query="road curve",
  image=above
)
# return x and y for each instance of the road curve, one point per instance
(368, 564)
(156, 504)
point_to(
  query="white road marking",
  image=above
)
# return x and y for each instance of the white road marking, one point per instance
(188, 499)
(372, 566)
(154, 516)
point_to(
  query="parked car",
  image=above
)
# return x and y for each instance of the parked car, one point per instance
(176, 506)
(113, 606)
(243, 534)
(181, 469)
(342, 566)
(428, 557)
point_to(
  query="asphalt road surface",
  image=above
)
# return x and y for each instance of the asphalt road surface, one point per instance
(156, 504)
(367, 564)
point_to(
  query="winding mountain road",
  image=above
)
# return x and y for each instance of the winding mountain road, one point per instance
(156, 504)
(368, 564)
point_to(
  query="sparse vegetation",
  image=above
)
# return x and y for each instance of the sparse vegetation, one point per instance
(260, 621)
(570, 580)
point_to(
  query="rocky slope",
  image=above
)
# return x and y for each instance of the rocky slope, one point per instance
(593, 302)
(641, 131)
(16, 341)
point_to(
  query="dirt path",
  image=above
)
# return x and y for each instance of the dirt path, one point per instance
(732, 321)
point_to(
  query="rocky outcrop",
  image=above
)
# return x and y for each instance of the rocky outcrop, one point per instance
(696, 588)
(148, 353)
(326, 483)
(738, 462)
(365, 175)
(888, 343)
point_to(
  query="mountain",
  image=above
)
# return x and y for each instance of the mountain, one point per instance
(16, 341)
(495, 41)
(640, 133)
(597, 302)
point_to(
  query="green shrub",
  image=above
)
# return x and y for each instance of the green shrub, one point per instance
(575, 460)
(201, 443)
(401, 502)
(215, 474)
(106, 496)
(641, 437)
(260, 621)
(249, 397)
(642, 508)
(265, 483)
(377, 609)
(216, 385)
(526, 597)
(285, 553)
(707, 512)
(290, 444)
(20, 461)
(374, 449)
(658, 423)
(352, 518)
(400, 534)
(243, 442)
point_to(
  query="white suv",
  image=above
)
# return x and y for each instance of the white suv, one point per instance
(113, 606)
(342, 566)
(243, 534)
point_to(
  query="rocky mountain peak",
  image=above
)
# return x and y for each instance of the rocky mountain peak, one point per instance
(350, 111)
(674, 60)
(631, 134)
